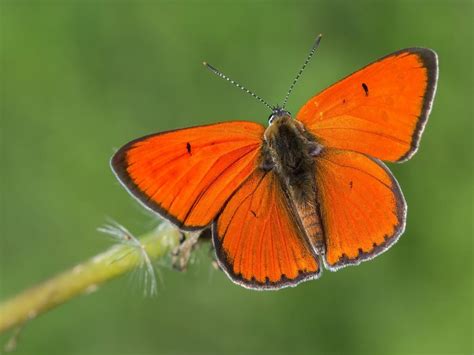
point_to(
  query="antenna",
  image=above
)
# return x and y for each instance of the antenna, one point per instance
(308, 58)
(220, 75)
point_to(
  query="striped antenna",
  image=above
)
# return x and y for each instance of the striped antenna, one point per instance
(220, 75)
(311, 52)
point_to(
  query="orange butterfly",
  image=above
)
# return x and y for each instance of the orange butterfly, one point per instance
(301, 193)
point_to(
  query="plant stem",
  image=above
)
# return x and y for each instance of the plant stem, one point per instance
(86, 277)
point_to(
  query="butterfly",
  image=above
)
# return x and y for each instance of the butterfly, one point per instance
(303, 193)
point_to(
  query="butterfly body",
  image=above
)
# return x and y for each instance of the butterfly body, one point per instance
(304, 192)
(290, 151)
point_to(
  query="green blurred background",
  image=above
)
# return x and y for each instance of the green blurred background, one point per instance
(80, 78)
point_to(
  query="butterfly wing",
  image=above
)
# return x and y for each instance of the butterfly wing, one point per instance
(187, 175)
(361, 204)
(258, 241)
(380, 110)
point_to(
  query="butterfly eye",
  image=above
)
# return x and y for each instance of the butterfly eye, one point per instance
(271, 118)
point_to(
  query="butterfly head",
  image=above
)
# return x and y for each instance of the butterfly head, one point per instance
(278, 121)
(278, 114)
(282, 127)
(287, 139)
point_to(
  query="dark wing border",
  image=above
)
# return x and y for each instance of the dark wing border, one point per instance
(429, 59)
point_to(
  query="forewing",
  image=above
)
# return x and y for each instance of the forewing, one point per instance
(362, 207)
(258, 240)
(187, 175)
(380, 110)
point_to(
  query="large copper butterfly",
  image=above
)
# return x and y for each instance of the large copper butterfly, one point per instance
(284, 200)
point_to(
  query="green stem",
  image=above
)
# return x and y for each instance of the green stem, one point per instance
(85, 277)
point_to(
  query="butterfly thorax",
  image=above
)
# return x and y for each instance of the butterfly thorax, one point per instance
(289, 150)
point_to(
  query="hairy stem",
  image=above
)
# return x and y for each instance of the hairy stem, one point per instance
(86, 277)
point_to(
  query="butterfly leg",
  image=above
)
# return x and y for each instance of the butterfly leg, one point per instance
(213, 257)
(181, 255)
(205, 237)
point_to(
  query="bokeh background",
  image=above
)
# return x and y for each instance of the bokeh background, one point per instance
(80, 78)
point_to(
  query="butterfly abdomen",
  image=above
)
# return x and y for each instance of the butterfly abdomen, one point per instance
(311, 221)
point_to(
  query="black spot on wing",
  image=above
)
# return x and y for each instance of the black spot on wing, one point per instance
(366, 89)
(188, 148)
